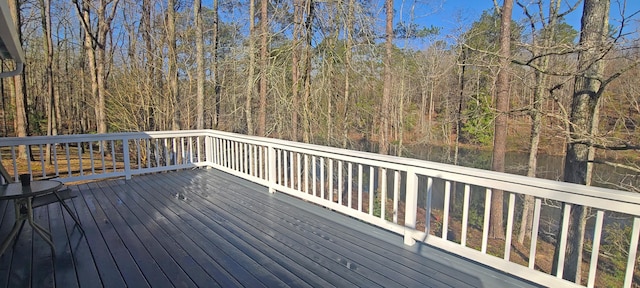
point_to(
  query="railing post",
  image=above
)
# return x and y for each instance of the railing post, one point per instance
(271, 161)
(125, 155)
(411, 207)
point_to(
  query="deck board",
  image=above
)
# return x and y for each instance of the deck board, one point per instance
(206, 228)
(325, 243)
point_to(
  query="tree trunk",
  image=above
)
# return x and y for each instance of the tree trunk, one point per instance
(149, 67)
(252, 65)
(496, 227)
(214, 70)
(536, 115)
(95, 43)
(295, 65)
(587, 91)
(174, 96)
(21, 123)
(264, 29)
(45, 13)
(197, 15)
(306, 113)
(347, 69)
(386, 90)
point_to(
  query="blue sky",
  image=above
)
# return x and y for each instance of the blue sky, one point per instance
(452, 15)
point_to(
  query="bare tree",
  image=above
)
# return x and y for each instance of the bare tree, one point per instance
(587, 91)
(349, 30)
(21, 125)
(295, 65)
(251, 69)
(541, 45)
(95, 42)
(306, 112)
(386, 90)
(173, 66)
(197, 15)
(496, 228)
(264, 29)
(52, 128)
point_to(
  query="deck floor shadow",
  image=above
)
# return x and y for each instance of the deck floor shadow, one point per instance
(206, 228)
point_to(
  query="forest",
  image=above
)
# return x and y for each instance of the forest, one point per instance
(343, 73)
(355, 74)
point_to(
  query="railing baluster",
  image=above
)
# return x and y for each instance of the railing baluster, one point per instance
(360, 187)
(55, 160)
(487, 217)
(563, 239)
(176, 154)
(113, 154)
(126, 162)
(250, 160)
(15, 165)
(138, 153)
(383, 194)
(445, 208)
(350, 185)
(340, 182)
(225, 153)
(92, 163)
(287, 168)
(232, 155)
(198, 148)
(535, 226)
(246, 157)
(633, 250)
(242, 155)
(167, 157)
(156, 152)
(238, 156)
(280, 166)
(321, 178)
(44, 170)
(299, 171)
(595, 250)
(102, 158)
(183, 152)
(30, 171)
(314, 170)
(427, 208)
(305, 174)
(372, 192)
(465, 215)
(271, 161)
(331, 179)
(510, 212)
(68, 159)
(220, 151)
(226, 160)
(147, 146)
(292, 169)
(80, 159)
(262, 164)
(396, 194)
(233, 164)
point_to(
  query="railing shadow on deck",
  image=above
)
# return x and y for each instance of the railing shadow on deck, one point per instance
(393, 193)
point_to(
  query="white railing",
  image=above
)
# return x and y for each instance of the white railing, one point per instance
(421, 199)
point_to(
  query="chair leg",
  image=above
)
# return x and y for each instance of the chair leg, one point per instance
(18, 233)
(73, 215)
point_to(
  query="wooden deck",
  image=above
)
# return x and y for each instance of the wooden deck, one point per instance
(205, 228)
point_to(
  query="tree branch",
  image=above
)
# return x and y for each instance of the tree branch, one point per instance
(617, 165)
